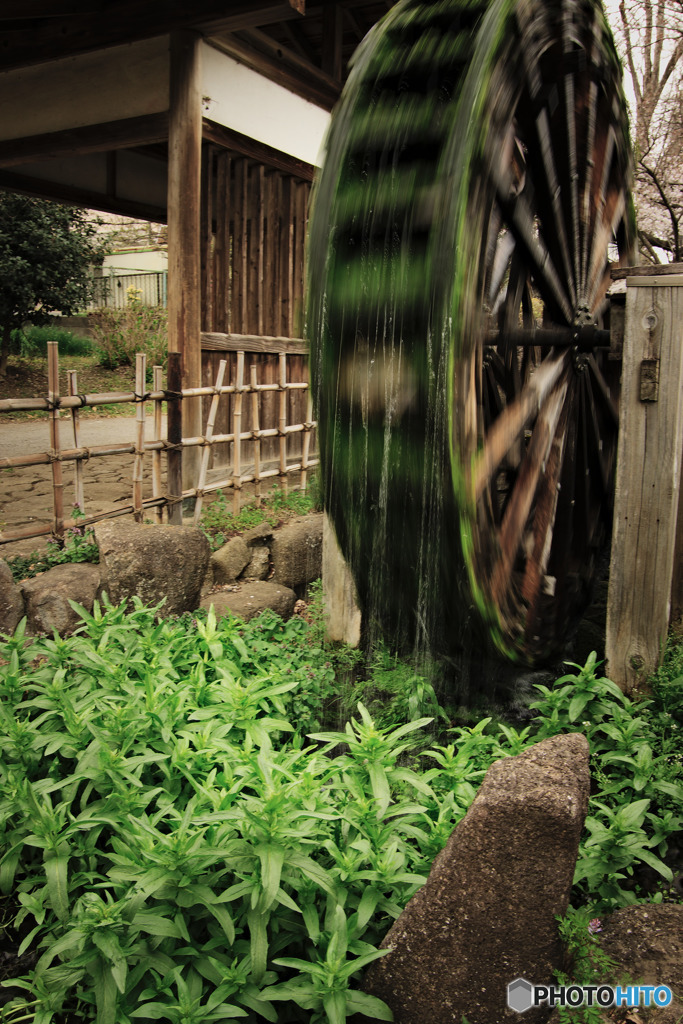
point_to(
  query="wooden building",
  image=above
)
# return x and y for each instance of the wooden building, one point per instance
(208, 115)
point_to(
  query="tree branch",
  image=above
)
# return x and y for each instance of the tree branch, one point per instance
(666, 203)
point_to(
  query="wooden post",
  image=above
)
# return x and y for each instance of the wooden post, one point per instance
(53, 401)
(237, 440)
(283, 421)
(648, 471)
(255, 427)
(184, 235)
(140, 381)
(206, 450)
(79, 496)
(305, 451)
(157, 386)
(174, 468)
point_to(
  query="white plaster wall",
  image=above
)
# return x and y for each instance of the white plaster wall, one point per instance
(239, 98)
(146, 261)
(109, 85)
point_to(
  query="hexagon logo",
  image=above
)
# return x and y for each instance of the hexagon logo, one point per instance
(520, 993)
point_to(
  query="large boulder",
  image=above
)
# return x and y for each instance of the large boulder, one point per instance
(11, 601)
(230, 561)
(246, 600)
(47, 597)
(297, 551)
(153, 563)
(486, 915)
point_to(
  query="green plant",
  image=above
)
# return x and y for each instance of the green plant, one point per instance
(79, 546)
(119, 334)
(31, 341)
(47, 252)
(219, 522)
(586, 962)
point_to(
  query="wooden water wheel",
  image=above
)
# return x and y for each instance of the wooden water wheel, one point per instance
(474, 194)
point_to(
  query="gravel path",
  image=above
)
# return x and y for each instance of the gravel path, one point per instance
(26, 492)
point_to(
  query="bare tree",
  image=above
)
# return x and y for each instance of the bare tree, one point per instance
(650, 36)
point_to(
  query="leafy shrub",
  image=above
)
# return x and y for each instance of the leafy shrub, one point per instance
(177, 848)
(31, 342)
(187, 841)
(119, 334)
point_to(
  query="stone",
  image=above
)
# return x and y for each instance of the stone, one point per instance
(646, 944)
(153, 562)
(340, 600)
(230, 561)
(246, 600)
(296, 551)
(486, 916)
(258, 567)
(11, 601)
(47, 597)
(260, 534)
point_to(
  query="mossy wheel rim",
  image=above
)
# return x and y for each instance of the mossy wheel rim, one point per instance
(454, 216)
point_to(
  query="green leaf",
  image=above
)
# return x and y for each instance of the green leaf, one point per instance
(370, 1006)
(335, 1007)
(105, 993)
(272, 858)
(367, 905)
(156, 924)
(632, 815)
(380, 787)
(56, 868)
(654, 862)
(258, 942)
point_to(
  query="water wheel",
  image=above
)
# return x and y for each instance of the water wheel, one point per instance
(474, 193)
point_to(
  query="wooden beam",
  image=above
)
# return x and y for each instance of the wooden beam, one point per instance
(261, 53)
(333, 33)
(647, 482)
(43, 189)
(250, 15)
(33, 34)
(215, 342)
(124, 134)
(258, 151)
(184, 244)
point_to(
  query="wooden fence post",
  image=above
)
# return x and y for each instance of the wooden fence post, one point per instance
(55, 454)
(174, 470)
(648, 471)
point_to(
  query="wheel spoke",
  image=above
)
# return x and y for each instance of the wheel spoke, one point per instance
(505, 432)
(603, 389)
(522, 224)
(544, 519)
(514, 523)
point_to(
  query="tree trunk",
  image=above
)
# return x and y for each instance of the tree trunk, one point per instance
(4, 348)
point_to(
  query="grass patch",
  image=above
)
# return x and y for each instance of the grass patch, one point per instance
(220, 523)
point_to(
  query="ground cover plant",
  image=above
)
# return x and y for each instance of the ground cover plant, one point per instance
(79, 545)
(219, 522)
(187, 835)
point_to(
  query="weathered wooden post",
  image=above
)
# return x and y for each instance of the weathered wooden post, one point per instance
(184, 256)
(648, 474)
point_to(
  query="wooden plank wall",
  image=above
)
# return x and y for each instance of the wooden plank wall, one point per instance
(253, 240)
(267, 372)
(254, 222)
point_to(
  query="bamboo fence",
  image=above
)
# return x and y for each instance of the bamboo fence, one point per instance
(242, 442)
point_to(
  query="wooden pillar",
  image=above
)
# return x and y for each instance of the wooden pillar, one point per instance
(333, 27)
(648, 475)
(184, 243)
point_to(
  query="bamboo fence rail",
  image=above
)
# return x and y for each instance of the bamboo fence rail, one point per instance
(172, 445)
